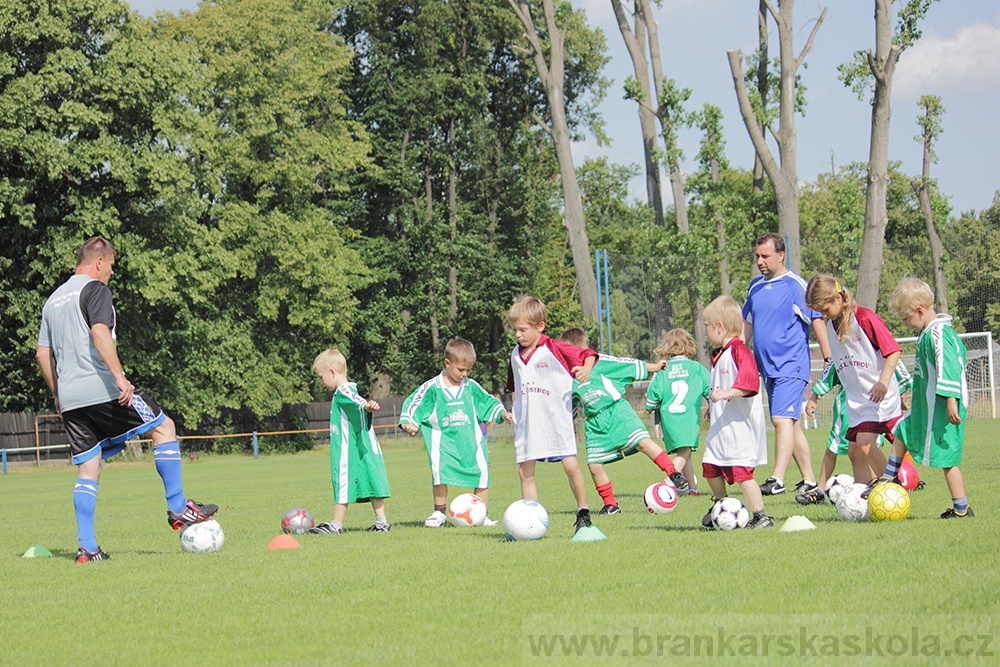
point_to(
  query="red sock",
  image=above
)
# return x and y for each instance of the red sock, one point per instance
(666, 465)
(607, 494)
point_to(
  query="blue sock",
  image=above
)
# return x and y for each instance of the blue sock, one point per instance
(892, 467)
(167, 458)
(85, 502)
(961, 504)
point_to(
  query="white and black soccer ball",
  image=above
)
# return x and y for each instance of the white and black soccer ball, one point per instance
(203, 537)
(851, 506)
(836, 485)
(660, 498)
(730, 513)
(467, 510)
(297, 521)
(525, 520)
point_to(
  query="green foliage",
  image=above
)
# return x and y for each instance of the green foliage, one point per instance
(973, 268)
(766, 114)
(929, 122)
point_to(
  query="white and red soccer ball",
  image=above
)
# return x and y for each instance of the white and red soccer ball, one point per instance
(467, 510)
(297, 521)
(660, 498)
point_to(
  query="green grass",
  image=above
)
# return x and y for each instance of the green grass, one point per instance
(466, 596)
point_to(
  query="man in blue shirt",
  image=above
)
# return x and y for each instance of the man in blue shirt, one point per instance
(777, 321)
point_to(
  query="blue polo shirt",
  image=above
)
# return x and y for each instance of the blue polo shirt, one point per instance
(781, 320)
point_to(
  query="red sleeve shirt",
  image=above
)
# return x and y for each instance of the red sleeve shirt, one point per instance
(747, 378)
(877, 332)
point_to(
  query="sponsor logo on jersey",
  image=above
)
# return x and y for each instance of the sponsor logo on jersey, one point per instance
(542, 364)
(529, 388)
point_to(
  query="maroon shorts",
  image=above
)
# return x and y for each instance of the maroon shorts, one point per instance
(731, 474)
(882, 428)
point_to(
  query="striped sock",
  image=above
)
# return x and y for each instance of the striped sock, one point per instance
(961, 504)
(892, 467)
(85, 503)
(167, 457)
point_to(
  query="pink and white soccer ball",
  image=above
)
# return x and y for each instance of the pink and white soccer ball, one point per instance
(525, 520)
(467, 510)
(660, 498)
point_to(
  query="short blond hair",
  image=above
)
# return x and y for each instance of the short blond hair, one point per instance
(459, 349)
(528, 309)
(576, 336)
(725, 309)
(327, 359)
(677, 342)
(910, 293)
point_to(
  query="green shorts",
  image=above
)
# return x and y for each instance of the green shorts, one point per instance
(614, 433)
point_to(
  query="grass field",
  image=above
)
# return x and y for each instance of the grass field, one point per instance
(922, 591)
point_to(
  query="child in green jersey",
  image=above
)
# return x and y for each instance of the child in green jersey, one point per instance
(356, 463)
(934, 429)
(448, 410)
(675, 396)
(613, 429)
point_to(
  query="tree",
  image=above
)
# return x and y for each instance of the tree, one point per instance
(930, 125)
(879, 67)
(783, 172)
(551, 73)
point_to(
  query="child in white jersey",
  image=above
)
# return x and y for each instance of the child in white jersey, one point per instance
(448, 409)
(540, 376)
(864, 355)
(736, 442)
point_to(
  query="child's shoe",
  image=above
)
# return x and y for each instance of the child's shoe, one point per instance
(436, 520)
(326, 529)
(379, 528)
(489, 523)
(951, 513)
(582, 519)
(610, 509)
(813, 496)
(760, 520)
(679, 480)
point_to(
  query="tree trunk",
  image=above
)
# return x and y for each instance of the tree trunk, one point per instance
(720, 238)
(784, 174)
(762, 66)
(923, 192)
(551, 76)
(882, 66)
(452, 232)
(635, 42)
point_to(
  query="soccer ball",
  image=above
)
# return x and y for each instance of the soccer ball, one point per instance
(467, 510)
(851, 506)
(660, 498)
(907, 476)
(525, 520)
(297, 521)
(203, 537)
(836, 485)
(888, 502)
(729, 514)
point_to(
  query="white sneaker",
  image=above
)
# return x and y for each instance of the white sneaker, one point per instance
(436, 520)
(489, 522)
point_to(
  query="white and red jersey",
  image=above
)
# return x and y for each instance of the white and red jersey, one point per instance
(859, 361)
(736, 435)
(543, 399)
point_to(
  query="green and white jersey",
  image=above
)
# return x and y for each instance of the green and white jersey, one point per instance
(356, 461)
(676, 393)
(449, 419)
(607, 383)
(938, 374)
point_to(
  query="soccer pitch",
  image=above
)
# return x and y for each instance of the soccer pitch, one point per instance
(921, 591)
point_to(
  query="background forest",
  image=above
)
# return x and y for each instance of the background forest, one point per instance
(280, 176)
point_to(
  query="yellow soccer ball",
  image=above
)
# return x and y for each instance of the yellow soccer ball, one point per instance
(888, 502)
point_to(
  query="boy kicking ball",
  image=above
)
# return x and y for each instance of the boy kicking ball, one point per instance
(448, 410)
(613, 429)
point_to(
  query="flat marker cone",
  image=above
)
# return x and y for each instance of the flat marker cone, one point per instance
(37, 551)
(589, 534)
(283, 542)
(797, 523)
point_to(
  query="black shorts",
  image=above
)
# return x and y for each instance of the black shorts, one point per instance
(104, 428)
